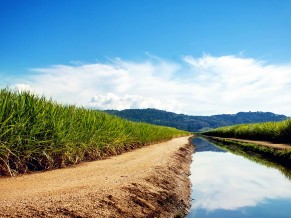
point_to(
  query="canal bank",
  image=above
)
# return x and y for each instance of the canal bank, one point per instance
(278, 154)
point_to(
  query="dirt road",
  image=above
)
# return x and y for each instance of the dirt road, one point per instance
(148, 182)
(264, 143)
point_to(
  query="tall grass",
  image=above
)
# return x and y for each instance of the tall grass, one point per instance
(39, 134)
(279, 132)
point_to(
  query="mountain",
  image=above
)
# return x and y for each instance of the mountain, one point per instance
(194, 123)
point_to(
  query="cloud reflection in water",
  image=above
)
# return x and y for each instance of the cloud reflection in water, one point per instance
(229, 182)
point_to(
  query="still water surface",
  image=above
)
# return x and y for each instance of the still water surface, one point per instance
(227, 185)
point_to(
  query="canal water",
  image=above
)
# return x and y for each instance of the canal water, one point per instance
(228, 185)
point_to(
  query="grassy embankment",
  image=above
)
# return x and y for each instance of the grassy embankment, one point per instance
(38, 134)
(277, 132)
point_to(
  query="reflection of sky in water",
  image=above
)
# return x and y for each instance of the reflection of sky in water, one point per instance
(202, 145)
(227, 185)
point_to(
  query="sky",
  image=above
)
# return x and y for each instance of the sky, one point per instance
(197, 57)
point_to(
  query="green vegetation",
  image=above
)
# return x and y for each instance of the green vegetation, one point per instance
(279, 132)
(38, 134)
(272, 157)
(195, 123)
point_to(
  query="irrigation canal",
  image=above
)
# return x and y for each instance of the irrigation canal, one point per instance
(225, 185)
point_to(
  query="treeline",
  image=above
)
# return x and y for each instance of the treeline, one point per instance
(195, 123)
(39, 134)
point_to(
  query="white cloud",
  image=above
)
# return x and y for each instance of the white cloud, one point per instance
(22, 88)
(111, 100)
(231, 84)
(200, 86)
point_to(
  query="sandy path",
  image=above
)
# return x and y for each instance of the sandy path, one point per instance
(131, 184)
(264, 143)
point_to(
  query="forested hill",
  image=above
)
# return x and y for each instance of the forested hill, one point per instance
(194, 123)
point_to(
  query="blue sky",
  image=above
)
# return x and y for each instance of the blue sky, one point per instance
(165, 39)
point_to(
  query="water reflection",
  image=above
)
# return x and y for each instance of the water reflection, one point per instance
(235, 149)
(204, 145)
(228, 185)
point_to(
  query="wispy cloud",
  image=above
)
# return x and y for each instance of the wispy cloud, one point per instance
(204, 85)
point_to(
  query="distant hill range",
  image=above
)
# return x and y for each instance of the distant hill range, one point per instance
(194, 123)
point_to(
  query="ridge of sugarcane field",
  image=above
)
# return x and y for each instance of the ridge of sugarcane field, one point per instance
(37, 134)
(276, 132)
